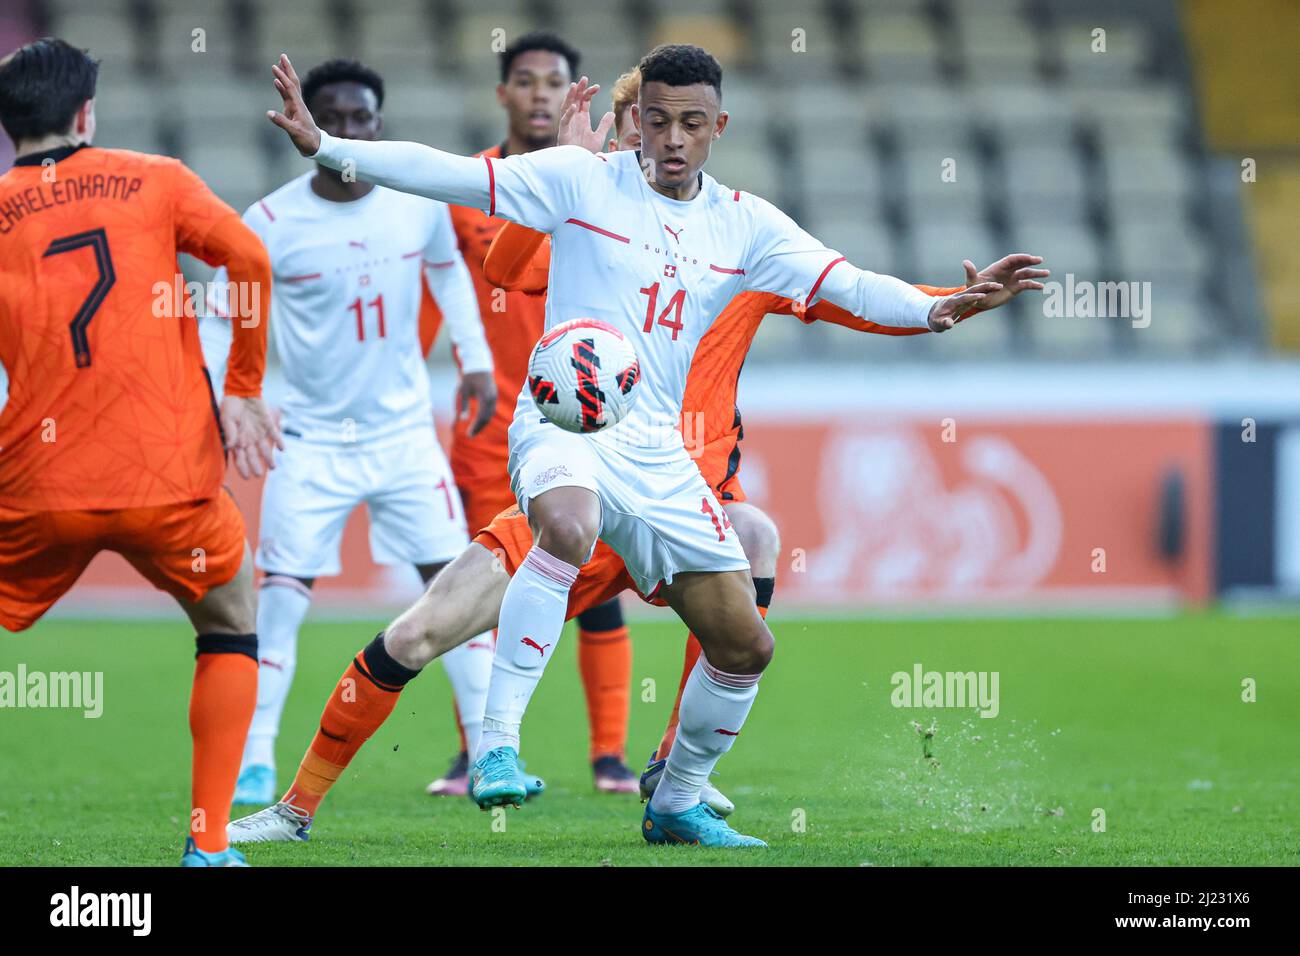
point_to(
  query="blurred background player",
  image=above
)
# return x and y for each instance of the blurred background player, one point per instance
(358, 418)
(536, 70)
(519, 260)
(110, 439)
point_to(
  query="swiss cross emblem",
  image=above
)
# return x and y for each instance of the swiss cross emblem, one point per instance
(670, 271)
(363, 280)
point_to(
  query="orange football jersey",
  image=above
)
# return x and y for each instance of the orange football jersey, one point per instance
(109, 400)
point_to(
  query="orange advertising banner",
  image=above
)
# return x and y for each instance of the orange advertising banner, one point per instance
(1023, 513)
(916, 515)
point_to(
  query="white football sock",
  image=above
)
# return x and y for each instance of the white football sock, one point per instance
(282, 603)
(469, 669)
(714, 707)
(532, 617)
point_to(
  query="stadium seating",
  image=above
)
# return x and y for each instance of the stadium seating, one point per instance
(845, 112)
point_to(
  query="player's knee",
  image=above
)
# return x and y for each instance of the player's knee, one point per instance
(567, 537)
(410, 642)
(759, 650)
(747, 651)
(233, 609)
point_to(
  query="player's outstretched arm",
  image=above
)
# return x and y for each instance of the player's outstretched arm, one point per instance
(1016, 273)
(999, 284)
(575, 118)
(1002, 281)
(831, 313)
(786, 260)
(537, 189)
(408, 167)
(296, 119)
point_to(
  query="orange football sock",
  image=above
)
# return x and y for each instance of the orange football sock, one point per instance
(693, 651)
(605, 662)
(222, 701)
(364, 697)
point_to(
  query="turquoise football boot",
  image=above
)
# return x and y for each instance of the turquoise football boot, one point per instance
(497, 780)
(196, 857)
(701, 825)
(534, 786)
(256, 785)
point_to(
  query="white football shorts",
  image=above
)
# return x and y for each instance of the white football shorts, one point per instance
(661, 518)
(405, 483)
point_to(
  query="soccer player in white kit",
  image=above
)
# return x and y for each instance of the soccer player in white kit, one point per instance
(657, 254)
(348, 258)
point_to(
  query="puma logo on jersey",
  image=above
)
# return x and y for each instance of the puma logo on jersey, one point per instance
(356, 245)
(727, 733)
(676, 235)
(532, 643)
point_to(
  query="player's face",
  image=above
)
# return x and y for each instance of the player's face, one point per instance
(678, 124)
(533, 94)
(347, 110)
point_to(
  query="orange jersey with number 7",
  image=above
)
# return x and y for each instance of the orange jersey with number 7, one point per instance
(519, 261)
(109, 404)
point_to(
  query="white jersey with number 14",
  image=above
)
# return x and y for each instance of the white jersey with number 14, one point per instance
(660, 270)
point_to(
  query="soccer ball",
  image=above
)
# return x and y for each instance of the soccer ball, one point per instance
(583, 375)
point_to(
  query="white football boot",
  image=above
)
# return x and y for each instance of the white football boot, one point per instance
(280, 823)
(710, 795)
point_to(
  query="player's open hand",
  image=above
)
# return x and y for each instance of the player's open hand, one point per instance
(575, 118)
(252, 434)
(1016, 273)
(296, 119)
(951, 309)
(480, 388)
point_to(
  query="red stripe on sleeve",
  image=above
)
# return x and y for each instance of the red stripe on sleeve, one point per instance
(818, 284)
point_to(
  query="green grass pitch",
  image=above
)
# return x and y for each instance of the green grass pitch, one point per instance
(1142, 719)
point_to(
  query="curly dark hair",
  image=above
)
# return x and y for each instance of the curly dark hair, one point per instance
(341, 71)
(681, 64)
(42, 85)
(539, 40)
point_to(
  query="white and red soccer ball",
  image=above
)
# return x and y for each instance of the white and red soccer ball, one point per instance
(583, 375)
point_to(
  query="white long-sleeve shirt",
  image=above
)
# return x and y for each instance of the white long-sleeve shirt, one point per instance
(658, 269)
